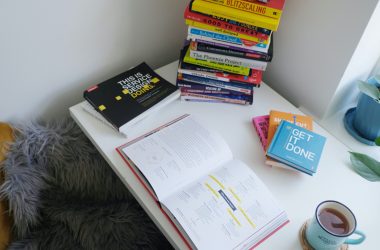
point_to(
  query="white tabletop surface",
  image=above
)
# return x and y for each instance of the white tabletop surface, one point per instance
(298, 193)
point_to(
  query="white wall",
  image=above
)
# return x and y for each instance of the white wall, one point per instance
(52, 50)
(313, 47)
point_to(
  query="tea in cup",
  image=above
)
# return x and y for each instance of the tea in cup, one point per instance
(331, 226)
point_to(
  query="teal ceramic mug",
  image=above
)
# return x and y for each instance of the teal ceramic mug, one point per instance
(331, 227)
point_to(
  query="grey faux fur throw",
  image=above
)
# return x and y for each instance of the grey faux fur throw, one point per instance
(63, 195)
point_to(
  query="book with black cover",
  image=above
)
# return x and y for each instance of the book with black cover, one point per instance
(130, 96)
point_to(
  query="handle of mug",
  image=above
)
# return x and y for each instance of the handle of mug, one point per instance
(356, 241)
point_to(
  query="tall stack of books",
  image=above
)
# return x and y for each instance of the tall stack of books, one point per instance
(228, 46)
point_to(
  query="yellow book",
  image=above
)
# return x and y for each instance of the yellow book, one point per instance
(226, 32)
(214, 65)
(271, 9)
(213, 9)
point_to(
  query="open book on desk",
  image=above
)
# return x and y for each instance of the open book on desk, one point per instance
(215, 201)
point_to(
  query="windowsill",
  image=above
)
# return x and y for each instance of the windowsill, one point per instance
(334, 124)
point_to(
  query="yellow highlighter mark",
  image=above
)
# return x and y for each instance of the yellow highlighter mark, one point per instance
(155, 80)
(234, 194)
(118, 98)
(233, 216)
(102, 107)
(125, 91)
(217, 181)
(247, 218)
(212, 190)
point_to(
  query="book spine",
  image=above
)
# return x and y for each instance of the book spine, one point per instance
(234, 14)
(224, 37)
(230, 52)
(220, 66)
(226, 24)
(243, 37)
(229, 60)
(261, 124)
(218, 84)
(204, 36)
(204, 89)
(254, 78)
(250, 6)
(225, 99)
(208, 92)
(197, 99)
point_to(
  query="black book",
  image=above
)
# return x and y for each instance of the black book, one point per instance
(130, 96)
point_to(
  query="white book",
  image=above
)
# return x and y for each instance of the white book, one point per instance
(214, 200)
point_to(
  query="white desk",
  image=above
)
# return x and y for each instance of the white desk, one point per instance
(298, 193)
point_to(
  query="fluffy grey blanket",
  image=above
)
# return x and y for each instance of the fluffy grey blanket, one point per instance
(63, 195)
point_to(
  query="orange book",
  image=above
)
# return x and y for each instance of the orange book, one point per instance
(275, 117)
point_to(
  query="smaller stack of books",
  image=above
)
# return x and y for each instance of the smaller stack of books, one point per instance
(288, 141)
(229, 45)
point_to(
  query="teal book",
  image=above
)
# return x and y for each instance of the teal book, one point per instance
(297, 147)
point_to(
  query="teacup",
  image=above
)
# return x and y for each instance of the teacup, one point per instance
(331, 226)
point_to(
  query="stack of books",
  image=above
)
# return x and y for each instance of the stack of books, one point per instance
(288, 141)
(229, 45)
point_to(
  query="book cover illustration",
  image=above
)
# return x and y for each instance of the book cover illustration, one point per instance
(261, 125)
(123, 98)
(297, 147)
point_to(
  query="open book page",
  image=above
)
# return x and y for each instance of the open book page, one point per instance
(230, 208)
(177, 154)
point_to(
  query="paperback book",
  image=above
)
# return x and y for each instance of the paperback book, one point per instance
(297, 147)
(228, 24)
(197, 34)
(131, 96)
(272, 8)
(256, 55)
(214, 200)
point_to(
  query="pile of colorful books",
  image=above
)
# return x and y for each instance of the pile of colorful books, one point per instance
(288, 141)
(228, 46)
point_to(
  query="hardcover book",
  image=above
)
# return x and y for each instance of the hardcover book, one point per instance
(275, 117)
(297, 147)
(130, 96)
(215, 38)
(235, 14)
(227, 24)
(214, 200)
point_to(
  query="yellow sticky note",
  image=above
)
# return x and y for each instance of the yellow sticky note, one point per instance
(102, 107)
(118, 98)
(155, 80)
(125, 91)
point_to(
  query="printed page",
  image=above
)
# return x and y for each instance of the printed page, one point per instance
(229, 208)
(177, 154)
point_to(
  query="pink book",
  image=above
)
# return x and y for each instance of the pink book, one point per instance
(261, 124)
